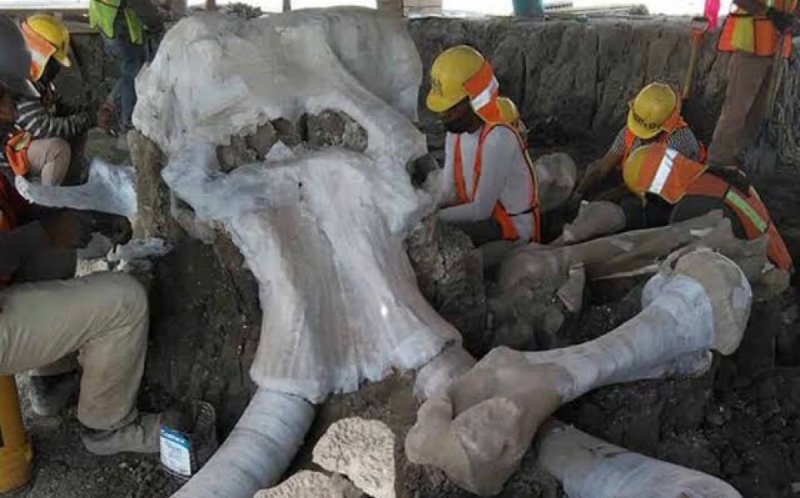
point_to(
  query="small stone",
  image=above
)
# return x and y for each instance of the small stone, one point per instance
(335, 129)
(262, 140)
(287, 132)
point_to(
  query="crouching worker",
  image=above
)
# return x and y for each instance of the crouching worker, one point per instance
(47, 133)
(489, 182)
(654, 117)
(673, 188)
(45, 316)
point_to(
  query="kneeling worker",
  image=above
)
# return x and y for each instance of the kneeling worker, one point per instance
(489, 180)
(103, 316)
(46, 132)
(674, 188)
(654, 117)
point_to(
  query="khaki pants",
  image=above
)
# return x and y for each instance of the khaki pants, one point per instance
(49, 159)
(104, 317)
(744, 109)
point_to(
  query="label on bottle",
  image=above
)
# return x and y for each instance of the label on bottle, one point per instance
(176, 452)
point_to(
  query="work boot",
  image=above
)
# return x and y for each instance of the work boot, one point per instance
(50, 394)
(140, 436)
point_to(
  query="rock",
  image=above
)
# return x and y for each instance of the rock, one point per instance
(365, 451)
(262, 140)
(335, 129)
(236, 154)
(287, 132)
(308, 484)
(450, 276)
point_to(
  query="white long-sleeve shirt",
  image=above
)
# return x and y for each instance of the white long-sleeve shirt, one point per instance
(504, 177)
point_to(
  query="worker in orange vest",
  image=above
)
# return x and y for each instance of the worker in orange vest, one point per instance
(489, 181)
(654, 117)
(753, 33)
(46, 315)
(46, 132)
(674, 188)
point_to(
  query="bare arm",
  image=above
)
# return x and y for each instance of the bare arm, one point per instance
(597, 171)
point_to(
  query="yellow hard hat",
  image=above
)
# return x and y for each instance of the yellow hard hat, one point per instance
(55, 33)
(508, 109)
(651, 110)
(449, 72)
(633, 167)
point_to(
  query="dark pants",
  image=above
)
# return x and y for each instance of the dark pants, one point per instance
(131, 58)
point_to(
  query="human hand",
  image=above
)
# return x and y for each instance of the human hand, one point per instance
(105, 116)
(68, 229)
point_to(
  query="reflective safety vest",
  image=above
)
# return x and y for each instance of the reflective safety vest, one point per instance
(16, 151)
(663, 139)
(103, 14)
(483, 90)
(755, 34)
(499, 214)
(672, 177)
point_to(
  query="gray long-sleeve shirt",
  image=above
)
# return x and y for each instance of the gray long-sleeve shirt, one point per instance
(505, 177)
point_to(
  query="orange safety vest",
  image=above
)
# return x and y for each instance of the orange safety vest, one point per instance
(672, 176)
(16, 151)
(663, 139)
(499, 214)
(765, 37)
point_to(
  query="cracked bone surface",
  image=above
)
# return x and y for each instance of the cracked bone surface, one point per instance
(320, 229)
(591, 468)
(699, 304)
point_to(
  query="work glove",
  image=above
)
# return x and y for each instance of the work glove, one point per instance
(781, 20)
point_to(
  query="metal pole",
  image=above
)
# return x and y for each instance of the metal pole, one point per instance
(287, 5)
(528, 8)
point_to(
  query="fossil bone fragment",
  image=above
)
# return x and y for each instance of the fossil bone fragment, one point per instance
(699, 304)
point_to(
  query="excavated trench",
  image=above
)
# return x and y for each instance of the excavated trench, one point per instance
(740, 421)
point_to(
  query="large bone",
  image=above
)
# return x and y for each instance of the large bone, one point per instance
(478, 429)
(321, 230)
(588, 467)
(632, 253)
(110, 189)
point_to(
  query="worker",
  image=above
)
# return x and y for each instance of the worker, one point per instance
(122, 26)
(46, 131)
(654, 117)
(489, 182)
(753, 33)
(103, 316)
(674, 188)
(510, 115)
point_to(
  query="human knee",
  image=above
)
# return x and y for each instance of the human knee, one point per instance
(125, 291)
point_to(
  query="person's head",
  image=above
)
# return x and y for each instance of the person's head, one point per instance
(657, 170)
(15, 60)
(48, 40)
(654, 110)
(464, 90)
